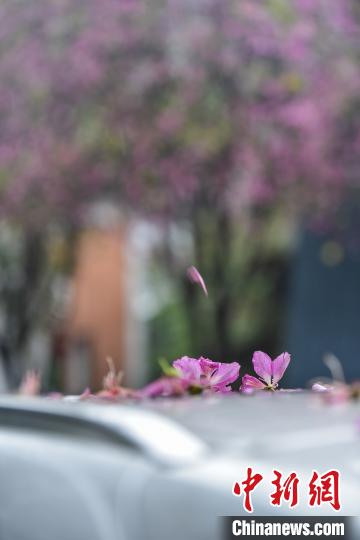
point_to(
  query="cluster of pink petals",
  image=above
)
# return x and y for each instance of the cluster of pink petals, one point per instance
(187, 376)
(194, 375)
(206, 374)
(201, 375)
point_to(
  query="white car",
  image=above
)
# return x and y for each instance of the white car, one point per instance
(165, 468)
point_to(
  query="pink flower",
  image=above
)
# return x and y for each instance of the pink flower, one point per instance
(269, 371)
(195, 276)
(204, 374)
(194, 376)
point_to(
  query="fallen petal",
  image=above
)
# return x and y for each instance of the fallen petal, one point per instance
(279, 366)
(224, 374)
(188, 369)
(263, 366)
(250, 383)
(165, 386)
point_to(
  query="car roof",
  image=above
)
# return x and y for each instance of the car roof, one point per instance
(179, 430)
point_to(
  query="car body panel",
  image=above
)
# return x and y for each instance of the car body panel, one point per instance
(163, 468)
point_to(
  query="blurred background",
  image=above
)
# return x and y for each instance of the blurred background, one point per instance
(138, 138)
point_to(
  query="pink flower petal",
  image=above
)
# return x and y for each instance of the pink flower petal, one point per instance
(208, 366)
(165, 386)
(279, 366)
(224, 374)
(263, 366)
(195, 276)
(250, 383)
(188, 368)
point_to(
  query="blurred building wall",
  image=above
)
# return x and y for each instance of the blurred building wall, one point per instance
(324, 314)
(97, 316)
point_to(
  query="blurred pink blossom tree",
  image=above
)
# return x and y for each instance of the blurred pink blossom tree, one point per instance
(232, 106)
(209, 113)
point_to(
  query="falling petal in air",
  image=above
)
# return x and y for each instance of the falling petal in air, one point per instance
(195, 276)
